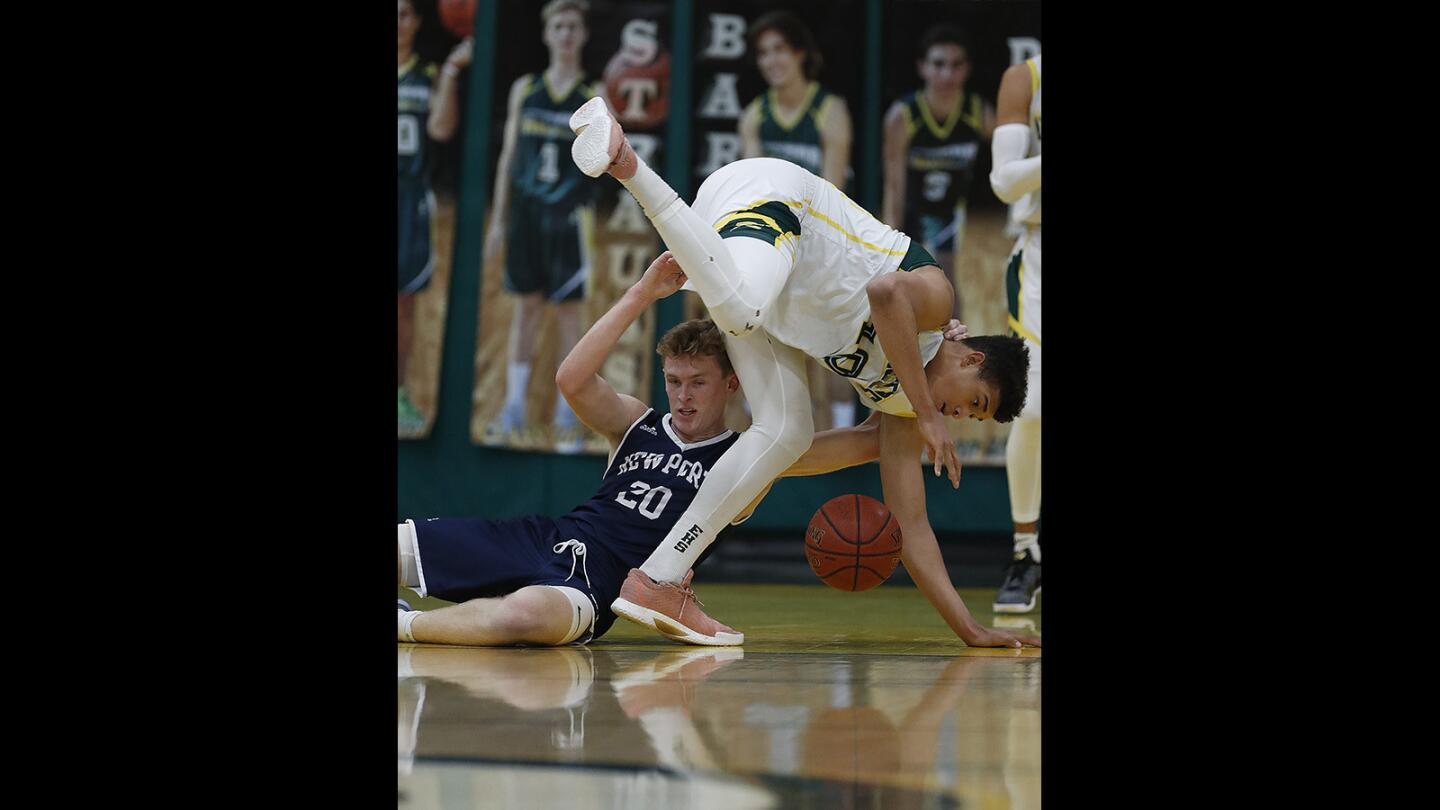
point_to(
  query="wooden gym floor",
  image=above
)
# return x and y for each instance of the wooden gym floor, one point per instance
(836, 700)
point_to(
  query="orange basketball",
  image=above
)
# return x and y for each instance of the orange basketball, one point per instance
(458, 17)
(853, 543)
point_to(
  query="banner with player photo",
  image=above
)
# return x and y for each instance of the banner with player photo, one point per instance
(942, 63)
(758, 93)
(780, 80)
(560, 247)
(434, 58)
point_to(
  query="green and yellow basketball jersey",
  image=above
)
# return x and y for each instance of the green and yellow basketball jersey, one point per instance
(542, 170)
(940, 161)
(797, 139)
(413, 108)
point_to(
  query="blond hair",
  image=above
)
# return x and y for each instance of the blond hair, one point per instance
(696, 338)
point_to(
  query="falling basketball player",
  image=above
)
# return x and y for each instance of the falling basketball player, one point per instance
(814, 275)
(540, 580)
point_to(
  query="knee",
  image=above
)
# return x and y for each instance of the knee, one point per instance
(796, 440)
(522, 618)
(735, 317)
(790, 439)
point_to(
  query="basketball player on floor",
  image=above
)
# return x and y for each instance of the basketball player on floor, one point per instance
(544, 215)
(798, 120)
(814, 274)
(538, 580)
(1016, 180)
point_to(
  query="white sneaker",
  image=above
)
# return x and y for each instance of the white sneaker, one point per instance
(600, 142)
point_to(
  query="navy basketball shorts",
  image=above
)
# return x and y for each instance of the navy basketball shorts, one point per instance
(473, 558)
(548, 249)
(415, 205)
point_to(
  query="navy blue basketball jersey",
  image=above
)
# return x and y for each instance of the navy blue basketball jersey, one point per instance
(650, 482)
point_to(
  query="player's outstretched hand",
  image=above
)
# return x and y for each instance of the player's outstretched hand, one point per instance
(990, 637)
(663, 277)
(941, 449)
(956, 331)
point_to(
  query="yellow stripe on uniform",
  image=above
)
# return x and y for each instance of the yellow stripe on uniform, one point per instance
(910, 126)
(791, 203)
(975, 116)
(941, 132)
(1020, 306)
(852, 237)
(799, 116)
(586, 216)
(1034, 75)
(818, 115)
(729, 218)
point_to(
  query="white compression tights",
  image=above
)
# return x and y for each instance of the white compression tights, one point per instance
(737, 279)
(737, 300)
(1022, 451)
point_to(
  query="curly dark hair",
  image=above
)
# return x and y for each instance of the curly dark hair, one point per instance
(1007, 365)
(795, 34)
(699, 337)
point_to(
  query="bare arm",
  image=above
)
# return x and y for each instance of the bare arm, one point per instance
(750, 131)
(836, 135)
(1013, 175)
(901, 306)
(904, 485)
(445, 112)
(500, 200)
(594, 400)
(897, 140)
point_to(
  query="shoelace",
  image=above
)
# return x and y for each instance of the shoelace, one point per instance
(689, 595)
(577, 555)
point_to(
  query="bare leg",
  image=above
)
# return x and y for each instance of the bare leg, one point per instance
(532, 615)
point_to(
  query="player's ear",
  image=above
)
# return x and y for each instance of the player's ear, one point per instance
(972, 358)
(732, 382)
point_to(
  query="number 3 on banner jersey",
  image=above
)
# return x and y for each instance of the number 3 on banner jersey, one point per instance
(647, 505)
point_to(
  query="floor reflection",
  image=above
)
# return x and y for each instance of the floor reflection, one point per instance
(716, 727)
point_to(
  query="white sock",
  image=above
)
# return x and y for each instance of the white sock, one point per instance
(649, 189)
(517, 378)
(1027, 540)
(407, 618)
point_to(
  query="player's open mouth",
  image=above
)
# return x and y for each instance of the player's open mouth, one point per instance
(687, 411)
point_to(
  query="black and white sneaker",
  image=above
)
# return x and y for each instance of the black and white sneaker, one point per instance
(1022, 583)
